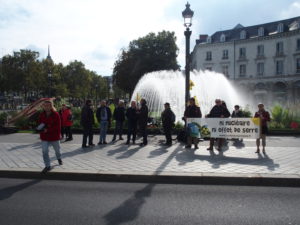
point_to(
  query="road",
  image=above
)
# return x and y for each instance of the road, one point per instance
(68, 202)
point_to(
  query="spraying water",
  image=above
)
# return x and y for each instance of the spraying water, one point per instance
(169, 86)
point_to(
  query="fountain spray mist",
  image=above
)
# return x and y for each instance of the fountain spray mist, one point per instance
(169, 86)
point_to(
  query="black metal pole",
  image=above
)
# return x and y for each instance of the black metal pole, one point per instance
(187, 34)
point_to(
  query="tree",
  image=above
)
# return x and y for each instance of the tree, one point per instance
(147, 54)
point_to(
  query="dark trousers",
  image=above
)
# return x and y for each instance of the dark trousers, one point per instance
(168, 133)
(132, 127)
(62, 132)
(87, 133)
(143, 130)
(68, 132)
(118, 129)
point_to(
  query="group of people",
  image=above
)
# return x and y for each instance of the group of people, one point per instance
(53, 125)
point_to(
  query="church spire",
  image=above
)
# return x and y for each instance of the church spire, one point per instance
(49, 56)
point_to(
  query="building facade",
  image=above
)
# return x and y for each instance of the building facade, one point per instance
(262, 60)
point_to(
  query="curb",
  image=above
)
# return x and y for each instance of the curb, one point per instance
(157, 177)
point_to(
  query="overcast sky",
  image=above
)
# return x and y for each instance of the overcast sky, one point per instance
(94, 31)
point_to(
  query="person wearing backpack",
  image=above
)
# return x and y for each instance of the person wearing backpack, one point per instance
(168, 119)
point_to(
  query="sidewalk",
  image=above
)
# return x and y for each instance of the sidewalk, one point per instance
(20, 156)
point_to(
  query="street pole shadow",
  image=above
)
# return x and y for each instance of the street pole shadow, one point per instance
(130, 209)
(6, 193)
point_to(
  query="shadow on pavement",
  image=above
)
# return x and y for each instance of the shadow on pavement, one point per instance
(129, 153)
(217, 160)
(6, 193)
(35, 146)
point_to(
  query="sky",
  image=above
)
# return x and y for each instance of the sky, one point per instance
(95, 31)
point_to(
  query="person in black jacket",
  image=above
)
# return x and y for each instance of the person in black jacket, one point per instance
(192, 111)
(119, 116)
(87, 122)
(132, 122)
(237, 113)
(143, 121)
(168, 119)
(218, 111)
(103, 115)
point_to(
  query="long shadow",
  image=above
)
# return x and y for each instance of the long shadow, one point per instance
(217, 161)
(6, 193)
(117, 150)
(35, 146)
(129, 153)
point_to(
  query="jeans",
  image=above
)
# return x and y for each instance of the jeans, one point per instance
(45, 148)
(103, 130)
(118, 128)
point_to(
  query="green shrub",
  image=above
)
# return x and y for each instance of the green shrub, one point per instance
(3, 118)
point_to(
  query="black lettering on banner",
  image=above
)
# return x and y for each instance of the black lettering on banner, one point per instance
(221, 123)
(213, 130)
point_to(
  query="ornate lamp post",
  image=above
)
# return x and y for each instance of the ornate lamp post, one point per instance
(187, 15)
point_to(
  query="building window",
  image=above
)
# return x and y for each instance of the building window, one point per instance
(260, 50)
(298, 65)
(242, 53)
(279, 48)
(242, 70)
(208, 56)
(225, 54)
(223, 38)
(261, 32)
(280, 28)
(225, 70)
(298, 44)
(243, 34)
(208, 68)
(260, 69)
(208, 40)
(279, 67)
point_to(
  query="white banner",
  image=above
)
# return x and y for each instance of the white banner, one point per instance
(228, 127)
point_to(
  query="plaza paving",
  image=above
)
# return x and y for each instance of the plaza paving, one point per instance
(22, 152)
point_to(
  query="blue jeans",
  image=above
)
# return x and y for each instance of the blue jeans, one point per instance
(103, 130)
(45, 148)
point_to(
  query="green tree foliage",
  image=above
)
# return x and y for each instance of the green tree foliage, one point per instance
(23, 73)
(153, 52)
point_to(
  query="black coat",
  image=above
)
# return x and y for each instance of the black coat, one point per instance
(237, 115)
(192, 111)
(131, 115)
(87, 116)
(143, 116)
(119, 114)
(218, 111)
(168, 118)
(98, 113)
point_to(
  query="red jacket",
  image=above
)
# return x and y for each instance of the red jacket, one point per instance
(265, 117)
(53, 126)
(65, 117)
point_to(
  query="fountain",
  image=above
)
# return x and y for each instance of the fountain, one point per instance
(169, 86)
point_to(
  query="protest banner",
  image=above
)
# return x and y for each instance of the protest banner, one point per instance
(228, 127)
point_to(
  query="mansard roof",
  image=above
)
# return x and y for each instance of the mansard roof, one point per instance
(252, 31)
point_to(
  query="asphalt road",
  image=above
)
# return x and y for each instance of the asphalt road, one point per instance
(67, 202)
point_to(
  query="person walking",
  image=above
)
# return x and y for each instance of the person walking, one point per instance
(264, 119)
(119, 116)
(131, 114)
(143, 121)
(192, 111)
(87, 121)
(67, 122)
(103, 115)
(217, 111)
(168, 119)
(49, 128)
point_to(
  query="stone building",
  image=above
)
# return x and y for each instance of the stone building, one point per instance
(262, 60)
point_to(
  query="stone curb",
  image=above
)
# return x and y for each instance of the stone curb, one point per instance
(276, 180)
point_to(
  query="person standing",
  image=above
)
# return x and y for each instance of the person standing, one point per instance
(168, 119)
(218, 111)
(103, 115)
(264, 119)
(49, 128)
(143, 121)
(119, 116)
(62, 131)
(237, 113)
(192, 111)
(131, 114)
(67, 122)
(87, 121)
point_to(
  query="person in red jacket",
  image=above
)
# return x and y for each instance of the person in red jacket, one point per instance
(49, 128)
(67, 122)
(264, 119)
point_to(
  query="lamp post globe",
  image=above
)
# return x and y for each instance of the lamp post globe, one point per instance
(187, 15)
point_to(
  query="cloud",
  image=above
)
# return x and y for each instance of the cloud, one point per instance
(293, 10)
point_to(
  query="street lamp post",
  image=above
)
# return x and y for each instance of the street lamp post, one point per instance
(50, 83)
(187, 15)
